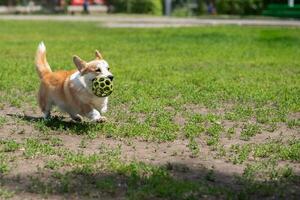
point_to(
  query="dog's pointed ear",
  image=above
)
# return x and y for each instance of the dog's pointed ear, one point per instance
(98, 55)
(80, 64)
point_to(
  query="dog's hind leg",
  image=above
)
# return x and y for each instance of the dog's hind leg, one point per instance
(45, 103)
(46, 109)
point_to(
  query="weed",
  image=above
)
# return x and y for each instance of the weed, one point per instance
(194, 147)
(230, 132)
(250, 130)
(83, 143)
(240, 112)
(275, 149)
(107, 184)
(293, 123)
(53, 164)
(34, 147)
(3, 163)
(9, 145)
(240, 153)
(210, 176)
(5, 193)
(194, 128)
(56, 141)
(2, 121)
(214, 132)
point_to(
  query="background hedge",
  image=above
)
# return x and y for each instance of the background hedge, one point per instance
(240, 7)
(137, 6)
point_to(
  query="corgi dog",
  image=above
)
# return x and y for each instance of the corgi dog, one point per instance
(71, 90)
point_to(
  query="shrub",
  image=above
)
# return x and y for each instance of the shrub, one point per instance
(147, 6)
(137, 6)
(239, 7)
(181, 12)
(183, 8)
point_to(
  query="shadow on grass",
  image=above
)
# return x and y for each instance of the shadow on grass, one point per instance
(58, 123)
(137, 181)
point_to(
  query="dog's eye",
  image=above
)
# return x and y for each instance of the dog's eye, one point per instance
(98, 70)
(108, 68)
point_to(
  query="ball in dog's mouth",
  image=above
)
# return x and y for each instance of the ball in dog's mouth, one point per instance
(102, 86)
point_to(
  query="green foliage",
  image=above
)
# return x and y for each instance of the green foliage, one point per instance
(53, 164)
(214, 132)
(147, 6)
(194, 127)
(274, 176)
(2, 121)
(250, 130)
(137, 6)
(3, 2)
(239, 153)
(230, 132)
(181, 12)
(33, 148)
(9, 145)
(108, 184)
(290, 151)
(273, 149)
(5, 193)
(293, 123)
(240, 7)
(241, 112)
(231, 7)
(194, 147)
(210, 176)
(3, 163)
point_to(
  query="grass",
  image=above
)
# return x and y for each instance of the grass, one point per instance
(2, 121)
(249, 130)
(279, 178)
(4, 167)
(276, 149)
(218, 89)
(9, 145)
(5, 194)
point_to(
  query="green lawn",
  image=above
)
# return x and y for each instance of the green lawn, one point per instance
(231, 91)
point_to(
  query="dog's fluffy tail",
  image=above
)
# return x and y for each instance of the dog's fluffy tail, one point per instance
(41, 63)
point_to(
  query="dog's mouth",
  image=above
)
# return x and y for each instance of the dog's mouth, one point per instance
(111, 77)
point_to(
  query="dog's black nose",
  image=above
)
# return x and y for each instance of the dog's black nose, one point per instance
(111, 77)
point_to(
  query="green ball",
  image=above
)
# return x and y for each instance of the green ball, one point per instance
(102, 87)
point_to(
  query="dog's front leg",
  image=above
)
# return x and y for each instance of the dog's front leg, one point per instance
(95, 116)
(103, 108)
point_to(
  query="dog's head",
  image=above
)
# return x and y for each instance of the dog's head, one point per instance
(95, 68)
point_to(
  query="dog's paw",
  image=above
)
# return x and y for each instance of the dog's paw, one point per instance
(102, 119)
(47, 116)
(77, 118)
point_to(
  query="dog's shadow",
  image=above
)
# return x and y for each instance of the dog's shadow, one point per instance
(60, 123)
